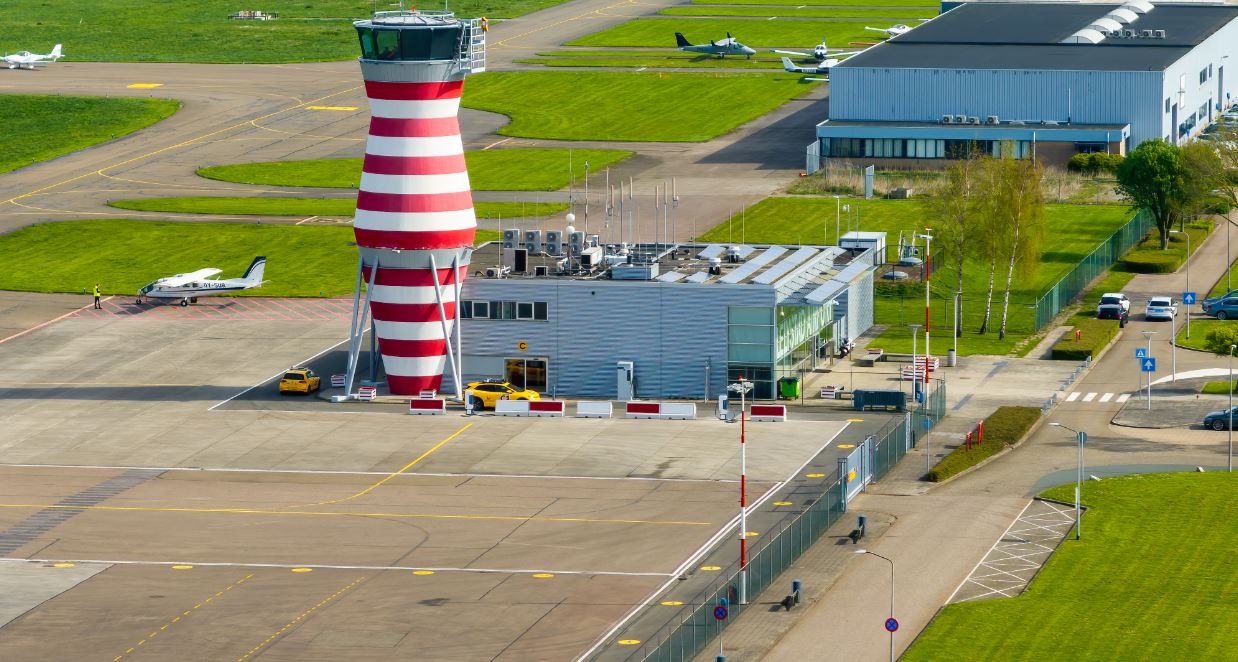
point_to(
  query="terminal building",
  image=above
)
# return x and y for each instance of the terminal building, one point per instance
(1047, 79)
(577, 318)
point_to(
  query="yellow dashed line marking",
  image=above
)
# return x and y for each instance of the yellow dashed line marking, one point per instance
(670, 603)
(629, 642)
(163, 627)
(182, 567)
(296, 620)
(330, 107)
(63, 565)
(542, 575)
(711, 568)
(846, 445)
(783, 503)
(814, 475)
(302, 569)
(753, 534)
(423, 572)
(855, 420)
(144, 86)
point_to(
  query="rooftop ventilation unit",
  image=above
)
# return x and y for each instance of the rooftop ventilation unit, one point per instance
(973, 120)
(960, 119)
(541, 271)
(533, 242)
(576, 242)
(947, 119)
(732, 254)
(592, 257)
(1158, 34)
(511, 238)
(992, 119)
(1145, 34)
(1128, 34)
(554, 242)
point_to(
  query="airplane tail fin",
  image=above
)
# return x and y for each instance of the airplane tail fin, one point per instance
(786, 64)
(254, 273)
(681, 41)
(55, 54)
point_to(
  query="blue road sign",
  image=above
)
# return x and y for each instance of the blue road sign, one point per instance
(720, 613)
(1188, 298)
(928, 423)
(1148, 364)
(1141, 353)
(891, 625)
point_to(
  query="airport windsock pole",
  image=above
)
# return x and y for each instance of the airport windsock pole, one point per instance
(414, 223)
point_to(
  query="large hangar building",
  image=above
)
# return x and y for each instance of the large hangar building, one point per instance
(1049, 79)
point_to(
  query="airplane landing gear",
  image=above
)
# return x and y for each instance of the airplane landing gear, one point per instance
(184, 302)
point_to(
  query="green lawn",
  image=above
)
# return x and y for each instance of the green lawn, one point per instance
(123, 255)
(639, 59)
(798, 12)
(38, 128)
(1222, 285)
(531, 169)
(1153, 578)
(1075, 229)
(127, 31)
(1220, 388)
(757, 34)
(313, 206)
(827, 3)
(1199, 331)
(616, 105)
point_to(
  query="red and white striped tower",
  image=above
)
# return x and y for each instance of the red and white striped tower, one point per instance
(415, 217)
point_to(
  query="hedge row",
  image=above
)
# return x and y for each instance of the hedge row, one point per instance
(1002, 428)
(1148, 258)
(1095, 336)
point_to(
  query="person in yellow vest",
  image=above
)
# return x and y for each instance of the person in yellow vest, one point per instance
(98, 306)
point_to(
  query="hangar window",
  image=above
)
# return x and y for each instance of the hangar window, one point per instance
(1203, 75)
(1168, 104)
(524, 311)
(481, 309)
(1203, 112)
(504, 310)
(539, 310)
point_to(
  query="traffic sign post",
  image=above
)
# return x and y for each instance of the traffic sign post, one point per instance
(1141, 353)
(1148, 364)
(1188, 300)
(720, 614)
(891, 625)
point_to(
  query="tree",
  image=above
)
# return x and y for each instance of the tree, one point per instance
(952, 215)
(1203, 173)
(1219, 339)
(1022, 211)
(1151, 179)
(990, 232)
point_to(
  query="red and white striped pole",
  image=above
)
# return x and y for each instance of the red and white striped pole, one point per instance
(743, 492)
(928, 276)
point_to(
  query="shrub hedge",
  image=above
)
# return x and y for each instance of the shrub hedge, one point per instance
(1002, 428)
(1094, 163)
(1095, 337)
(1148, 258)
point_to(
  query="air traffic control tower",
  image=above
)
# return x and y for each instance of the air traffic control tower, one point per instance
(414, 223)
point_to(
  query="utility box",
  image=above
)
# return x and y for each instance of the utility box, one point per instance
(863, 399)
(789, 388)
(625, 381)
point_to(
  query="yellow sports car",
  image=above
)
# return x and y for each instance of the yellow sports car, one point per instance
(299, 380)
(486, 393)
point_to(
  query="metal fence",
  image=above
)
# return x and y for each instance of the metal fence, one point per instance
(688, 632)
(1063, 292)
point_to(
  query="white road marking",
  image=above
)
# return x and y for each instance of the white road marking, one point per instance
(1072, 397)
(1123, 398)
(53, 321)
(305, 361)
(1106, 397)
(1089, 397)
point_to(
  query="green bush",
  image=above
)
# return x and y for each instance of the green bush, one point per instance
(1079, 163)
(1095, 337)
(1219, 339)
(1002, 428)
(1151, 261)
(1094, 163)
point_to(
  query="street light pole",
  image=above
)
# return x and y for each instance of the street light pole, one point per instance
(1229, 465)
(1082, 438)
(743, 386)
(928, 277)
(1148, 335)
(1188, 278)
(838, 214)
(865, 551)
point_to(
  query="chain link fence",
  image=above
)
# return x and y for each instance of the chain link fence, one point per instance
(693, 627)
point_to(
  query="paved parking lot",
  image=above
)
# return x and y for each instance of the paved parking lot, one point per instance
(138, 519)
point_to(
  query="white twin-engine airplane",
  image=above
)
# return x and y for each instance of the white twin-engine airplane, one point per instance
(27, 60)
(188, 287)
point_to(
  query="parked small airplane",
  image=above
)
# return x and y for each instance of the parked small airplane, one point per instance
(895, 30)
(721, 48)
(820, 52)
(823, 68)
(188, 287)
(27, 60)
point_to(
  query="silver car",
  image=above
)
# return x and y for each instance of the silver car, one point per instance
(1160, 308)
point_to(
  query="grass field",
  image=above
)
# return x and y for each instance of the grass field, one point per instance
(827, 3)
(1199, 331)
(1153, 578)
(531, 169)
(122, 255)
(638, 59)
(1220, 388)
(38, 128)
(1222, 285)
(614, 105)
(126, 31)
(757, 34)
(1075, 229)
(313, 207)
(801, 12)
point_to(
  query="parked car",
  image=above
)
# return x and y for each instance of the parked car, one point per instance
(1113, 306)
(299, 380)
(1210, 301)
(1218, 420)
(487, 392)
(1160, 308)
(1223, 309)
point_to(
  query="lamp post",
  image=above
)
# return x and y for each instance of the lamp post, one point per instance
(742, 387)
(1188, 279)
(1229, 465)
(1148, 335)
(957, 294)
(928, 276)
(1082, 438)
(838, 214)
(865, 551)
(914, 328)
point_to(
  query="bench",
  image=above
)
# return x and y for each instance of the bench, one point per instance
(872, 356)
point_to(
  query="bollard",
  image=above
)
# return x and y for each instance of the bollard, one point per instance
(1078, 334)
(980, 432)
(795, 589)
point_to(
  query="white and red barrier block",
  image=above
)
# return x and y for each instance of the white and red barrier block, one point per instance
(767, 413)
(337, 381)
(427, 407)
(368, 393)
(683, 411)
(536, 408)
(594, 409)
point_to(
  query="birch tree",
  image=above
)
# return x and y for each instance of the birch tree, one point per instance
(989, 232)
(1022, 208)
(952, 215)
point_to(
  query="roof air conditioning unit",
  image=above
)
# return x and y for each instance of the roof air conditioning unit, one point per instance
(947, 119)
(992, 119)
(594, 240)
(1145, 34)
(511, 238)
(554, 242)
(533, 242)
(1158, 34)
(576, 242)
(561, 265)
(960, 119)
(732, 254)
(541, 271)
(591, 258)
(1128, 34)
(973, 120)
(493, 272)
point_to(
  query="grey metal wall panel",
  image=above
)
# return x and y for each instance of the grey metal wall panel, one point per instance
(669, 330)
(924, 95)
(1223, 43)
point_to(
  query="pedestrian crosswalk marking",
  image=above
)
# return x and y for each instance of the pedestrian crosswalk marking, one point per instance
(1081, 396)
(1089, 397)
(1106, 397)
(1124, 397)
(1072, 397)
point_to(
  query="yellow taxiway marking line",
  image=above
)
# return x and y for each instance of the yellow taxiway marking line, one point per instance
(174, 620)
(144, 86)
(124, 384)
(404, 468)
(330, 107)
(256, 511)
(184, 143)
(280, 632)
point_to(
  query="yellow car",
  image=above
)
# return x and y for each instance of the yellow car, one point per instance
(486, 393)
(299, 380)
